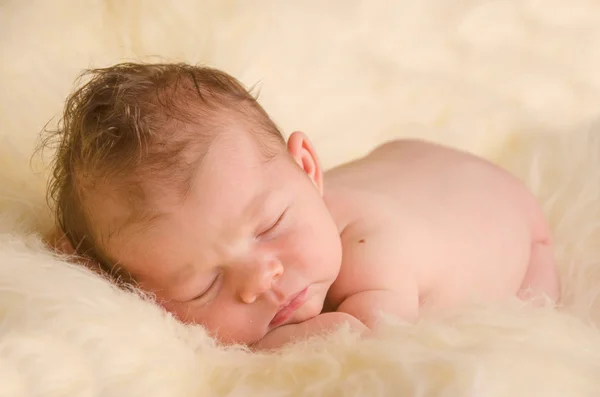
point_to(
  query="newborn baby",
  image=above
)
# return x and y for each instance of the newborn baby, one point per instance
(174, 178)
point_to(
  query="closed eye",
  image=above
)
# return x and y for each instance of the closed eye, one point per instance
(210, 291)
(274, 225)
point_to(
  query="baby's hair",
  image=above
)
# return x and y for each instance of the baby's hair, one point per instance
(133, 128)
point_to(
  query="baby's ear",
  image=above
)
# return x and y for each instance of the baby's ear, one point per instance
(303, 152)
(59, 242)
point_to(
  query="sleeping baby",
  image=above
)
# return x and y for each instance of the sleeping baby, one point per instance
(172, 177)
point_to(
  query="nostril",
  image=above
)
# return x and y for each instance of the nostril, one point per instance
(276, 268)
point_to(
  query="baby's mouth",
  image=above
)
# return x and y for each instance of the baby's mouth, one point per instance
(287, 310)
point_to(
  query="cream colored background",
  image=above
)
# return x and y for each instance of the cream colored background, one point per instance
(350, 73)
(515, 80)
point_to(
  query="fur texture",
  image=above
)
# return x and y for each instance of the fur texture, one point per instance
(512, 80)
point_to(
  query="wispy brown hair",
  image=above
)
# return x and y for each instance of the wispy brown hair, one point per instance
(138, 127)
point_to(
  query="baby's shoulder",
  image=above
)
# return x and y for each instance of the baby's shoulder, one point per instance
(370, 246)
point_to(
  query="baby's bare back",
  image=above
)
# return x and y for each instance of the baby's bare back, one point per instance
(425, 224)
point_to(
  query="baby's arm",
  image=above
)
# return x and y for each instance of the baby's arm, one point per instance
(360, 311)
(367, 305)
(320, 324)
(375, 279)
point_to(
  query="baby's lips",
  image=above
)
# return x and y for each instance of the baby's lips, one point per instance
(288, 310)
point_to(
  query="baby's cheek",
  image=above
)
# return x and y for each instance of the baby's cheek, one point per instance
(318, 252)
(233, 324)
(178, 310)
(294, 246)
(222, 321)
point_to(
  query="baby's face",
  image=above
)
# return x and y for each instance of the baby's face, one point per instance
(251, 237)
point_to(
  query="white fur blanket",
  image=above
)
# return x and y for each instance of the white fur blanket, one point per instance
(514, 80)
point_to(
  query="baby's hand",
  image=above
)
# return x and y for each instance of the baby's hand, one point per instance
(323, 323)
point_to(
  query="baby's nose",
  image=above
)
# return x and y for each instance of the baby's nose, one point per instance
(260, 280)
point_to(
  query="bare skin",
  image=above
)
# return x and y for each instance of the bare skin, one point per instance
(264, 254)
(425, 224)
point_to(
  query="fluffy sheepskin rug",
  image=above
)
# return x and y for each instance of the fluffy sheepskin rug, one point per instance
(515, 80)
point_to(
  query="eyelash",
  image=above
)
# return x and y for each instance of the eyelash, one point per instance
(277, 222)
(210, 288)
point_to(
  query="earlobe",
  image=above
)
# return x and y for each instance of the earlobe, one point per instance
(59, 242)
(305, 155)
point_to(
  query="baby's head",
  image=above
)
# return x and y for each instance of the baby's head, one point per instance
(173, 176)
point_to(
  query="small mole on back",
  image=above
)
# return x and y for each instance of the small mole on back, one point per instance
(362, 240)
